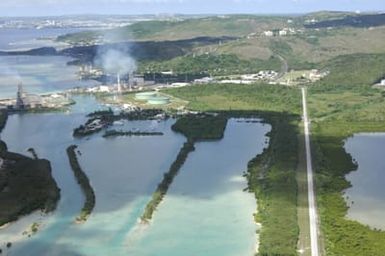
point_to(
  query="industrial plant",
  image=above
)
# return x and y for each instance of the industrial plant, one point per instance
(26, 101)
(117, 82)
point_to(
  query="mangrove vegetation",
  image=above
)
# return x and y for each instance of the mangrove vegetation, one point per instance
(272, 177)
(26, 185)
(115, 133)
(3, 119)
(84, 183)
(100, 120)
(168, 178)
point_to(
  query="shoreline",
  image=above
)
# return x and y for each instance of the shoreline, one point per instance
(24, 228)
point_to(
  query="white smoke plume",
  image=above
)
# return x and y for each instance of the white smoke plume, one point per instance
(114, 55)
(115, 61)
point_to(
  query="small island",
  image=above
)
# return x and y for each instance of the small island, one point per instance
(100, 120)
(84, 182)
(115, 133)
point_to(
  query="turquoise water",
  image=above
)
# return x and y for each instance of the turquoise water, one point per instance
(205, 212)
(368, 182)
(124, 173)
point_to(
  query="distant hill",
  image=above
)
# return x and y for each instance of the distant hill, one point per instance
(43, 51)
(328, 15)
(145, 50)
(216, 26)
(140, 50)
(361, 21)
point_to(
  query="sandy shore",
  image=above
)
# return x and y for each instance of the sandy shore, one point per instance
(21, 229)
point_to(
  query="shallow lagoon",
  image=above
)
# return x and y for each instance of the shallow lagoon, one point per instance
(206, 210)
(368, 181)
(123, 172)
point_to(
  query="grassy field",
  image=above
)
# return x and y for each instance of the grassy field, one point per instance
(228, 97)
(347, 93)
(175, 103)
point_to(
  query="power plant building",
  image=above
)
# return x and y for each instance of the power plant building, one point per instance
(27, 101)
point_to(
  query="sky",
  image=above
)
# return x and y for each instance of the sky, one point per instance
(64, 7)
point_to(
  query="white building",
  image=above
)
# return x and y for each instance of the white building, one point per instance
(283, 32)
(204, 80)
(382, 82)
(268, 33)
(101, 88)
(180, 84)
(167, 72)
(236, 81)
(104, 88)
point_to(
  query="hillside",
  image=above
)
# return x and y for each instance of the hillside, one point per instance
(359, 21)
(169, 43)
(146, 50)
(217, 26)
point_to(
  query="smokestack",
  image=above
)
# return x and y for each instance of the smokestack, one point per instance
(130, 81)
(119, 85)
(19, 96)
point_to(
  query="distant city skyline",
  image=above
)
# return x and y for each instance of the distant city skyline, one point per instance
(68, 7)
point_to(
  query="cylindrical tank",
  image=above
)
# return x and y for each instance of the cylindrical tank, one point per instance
(158, 100)
(145, 95)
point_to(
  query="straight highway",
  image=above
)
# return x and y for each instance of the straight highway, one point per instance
(310, 180)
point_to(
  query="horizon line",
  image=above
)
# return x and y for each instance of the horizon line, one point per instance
(195, 14)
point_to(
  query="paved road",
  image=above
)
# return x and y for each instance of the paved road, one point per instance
(310, 181)
(284, 67)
